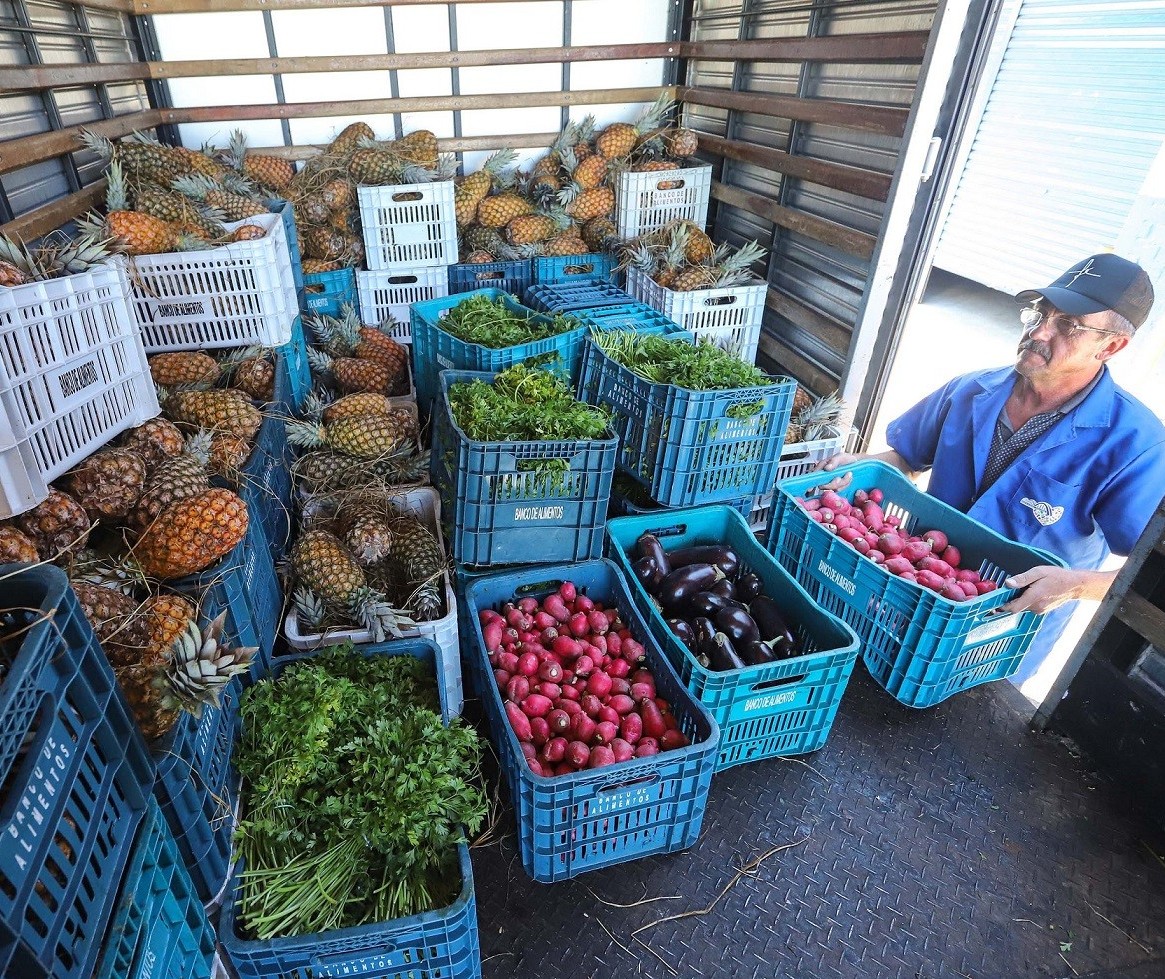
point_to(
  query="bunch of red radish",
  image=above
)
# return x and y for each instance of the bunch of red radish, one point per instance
(573, 683)
(929, 559)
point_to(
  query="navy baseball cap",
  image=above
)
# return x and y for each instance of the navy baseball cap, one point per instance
(1098, 283)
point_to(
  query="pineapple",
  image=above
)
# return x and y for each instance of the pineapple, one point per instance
(228, 454)
(589, 173)
(16, 547)
(200, 666)
(652, 166)
(142, 157)
(233, 206)
(368, 436)
(471, 191)
(531, 228)
(419, 147)
(134, 232)
(600, 234)
(418, 552)
(269, 171)
(316, 266)
(567, 243)
(155, 441)
(11, 275)
(376, 167)
(56, 525)
(499, 210)
(218, 410)
(582, 134)
(620, 138)
(326, 472)
(108, 483)
(329, 571)
(115, 620)
(313, 209)
(183, 368)
(326, 244)
(728, 271)
(814, 418)
(367, 533)
(192, 534)
(247, 232)
(251, 371)
(595, 203)
(176, 478)
(350, 138)
(699, 247)
(337, 195)
(352, 374)
(319, 406)
(680, 142)
(178, 210)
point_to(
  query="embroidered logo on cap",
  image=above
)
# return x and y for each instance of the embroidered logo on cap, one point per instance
(1086, 270)
(1045, 513)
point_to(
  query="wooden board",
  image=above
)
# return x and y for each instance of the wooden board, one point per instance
(16, 153)
(51, 216)
(898, 46)
(846, 115)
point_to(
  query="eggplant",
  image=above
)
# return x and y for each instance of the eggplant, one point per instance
(737, 625)
(725, 589)
(683, 583)
(648, 545)
(784, 649)
(720, 555)
(756, 652)
(705, 631)
(648, 573)
(748, 586)
(724, 656)
(708, 603)
(767, 615)
(704, 661)
(683, 632)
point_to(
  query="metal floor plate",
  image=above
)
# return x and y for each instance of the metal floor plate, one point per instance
(924, 845)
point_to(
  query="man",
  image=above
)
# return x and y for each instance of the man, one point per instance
(1050, 453)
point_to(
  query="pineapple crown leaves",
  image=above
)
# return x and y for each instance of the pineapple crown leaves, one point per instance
(821, 418)
(308, 608)
(18, 254)
(568, 158)
(236, 149)
(145, 138)
(66, 257)
(240, 355)
(320, 361)
(653, 116)
(379, 617)
(116, 189)
(198, 446)
(495, 163)
(585, 129)
(195, 186)
(200, 665)
(103, 146)
(306, 435)
(569, 137)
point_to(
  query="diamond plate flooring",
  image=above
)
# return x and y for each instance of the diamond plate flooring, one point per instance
(920, 845)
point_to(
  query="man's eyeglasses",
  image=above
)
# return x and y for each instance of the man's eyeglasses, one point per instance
(1062, 323)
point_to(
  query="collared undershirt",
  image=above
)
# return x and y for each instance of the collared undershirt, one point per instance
(1007, 444)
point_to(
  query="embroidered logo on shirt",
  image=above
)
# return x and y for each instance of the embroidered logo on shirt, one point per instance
(1045, 513)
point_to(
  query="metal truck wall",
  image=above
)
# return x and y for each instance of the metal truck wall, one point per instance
(1072, 124)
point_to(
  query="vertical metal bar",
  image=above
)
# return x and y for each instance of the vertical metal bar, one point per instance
(455, 76)
(280, 97)
(393, 77)
(6, 214)
(739, 80)
(32, 49)
(567, 20)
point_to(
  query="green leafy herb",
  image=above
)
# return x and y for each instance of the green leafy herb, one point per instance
(356, 795)
(491, 323)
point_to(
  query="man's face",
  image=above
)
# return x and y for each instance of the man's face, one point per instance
(1061, 345)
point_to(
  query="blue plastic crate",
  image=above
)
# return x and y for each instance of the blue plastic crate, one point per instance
(513, 276)
(160, 930)
(685, 447)
(441, 944)
(296, 378)
(630, 316)
(567, 297)
(287, 213)
(570, 824)
(632, 501)
(196, 789)
(326, 292)
(921, 647)
(499, 512)
(435, 350)
(265, 483)
(591, 266)
(784, 708)
(76, 778)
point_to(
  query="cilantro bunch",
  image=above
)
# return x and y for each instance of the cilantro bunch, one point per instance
(698, 367)
(356, 795)
(491, 323)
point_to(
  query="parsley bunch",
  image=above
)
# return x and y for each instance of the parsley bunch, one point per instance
(699, 367)
(491, 323)
(356, 795)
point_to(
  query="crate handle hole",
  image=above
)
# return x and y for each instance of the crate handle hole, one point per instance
(721, 300)
(673, 531)
(644, 781)
(489, 276)
(586, 269)
(402, 280)
(411, 195)
(313, 288)
(783, 682)
(542, 586)
(670, 184)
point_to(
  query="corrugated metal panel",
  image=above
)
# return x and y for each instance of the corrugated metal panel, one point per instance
(1073, 122)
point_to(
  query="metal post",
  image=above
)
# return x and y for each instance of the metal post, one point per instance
(393, 76)
(273, 51)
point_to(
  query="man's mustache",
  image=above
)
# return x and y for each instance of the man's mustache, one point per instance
(1042, 349)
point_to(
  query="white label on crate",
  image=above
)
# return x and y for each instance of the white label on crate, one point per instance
(37, 803)
(767, 701)
(170, 310)
(149, 960)
(538, 513)
(445, 362)
(631, 798)
(76, 379)
(837, 578)
(994, 627)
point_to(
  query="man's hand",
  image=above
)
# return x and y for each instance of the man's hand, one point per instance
(1047, 587)
(845, 458)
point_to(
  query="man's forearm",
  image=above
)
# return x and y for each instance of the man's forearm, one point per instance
(1094, 585)
(891, 457)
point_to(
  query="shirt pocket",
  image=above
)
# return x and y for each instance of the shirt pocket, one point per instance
(1049, 513)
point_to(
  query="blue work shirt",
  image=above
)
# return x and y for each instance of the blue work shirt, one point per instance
(1086, 488)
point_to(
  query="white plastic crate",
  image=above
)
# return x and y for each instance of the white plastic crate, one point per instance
(647, 201)
(73, 374)
(390, 294)
(425, 504)
(234, 295)
(730, 316)
(796, 460)
(408, 226)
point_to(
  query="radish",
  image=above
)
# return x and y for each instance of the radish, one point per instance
(536, 705)
(643, 690)
(612, 615)
(646, 748)
(916, 550)
(567, 591)
(564, 647)
(966, 575)
(653, 722)
(619, 668)
(928, 579)
(894, 521)
(528, 664)
(898, 565)
(834, 501)
(673, 739)
(492, 634)
(909, 576)
(568, 706)
(620, 686)
(591, 705)
(622, 750)
(890, 544)
(952, 591)
(614, 643)
(554, 750)
(518, 721)
(578, 625)
(528, 750)
(877, 495)
(599, 684)
(583, 666)
(849, 535)
(518, 689)
(601, 757)
(488, 615)
(809, 505)
(605, 731)
(564, 768)
(550, 670)
(824, 515)
(937, 565)
(608, 714)
(578, 754)
(861, 545)
(815, 515)
(548, 636)
(582, 728)
(951, 555)
(643, 676)
(598, 642)
(539, 731)
(860, 497)
(583, 604)
(508, 662)
(874, 516)
(528, 605)
(876, 556)
(632, 651)
(555, 607)
(559, 721)
(631, 728)
(983, 587)
(598, 622)
(502, 678)
(938, 540)
(544, 621)
(621, 704)
(552, 691)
